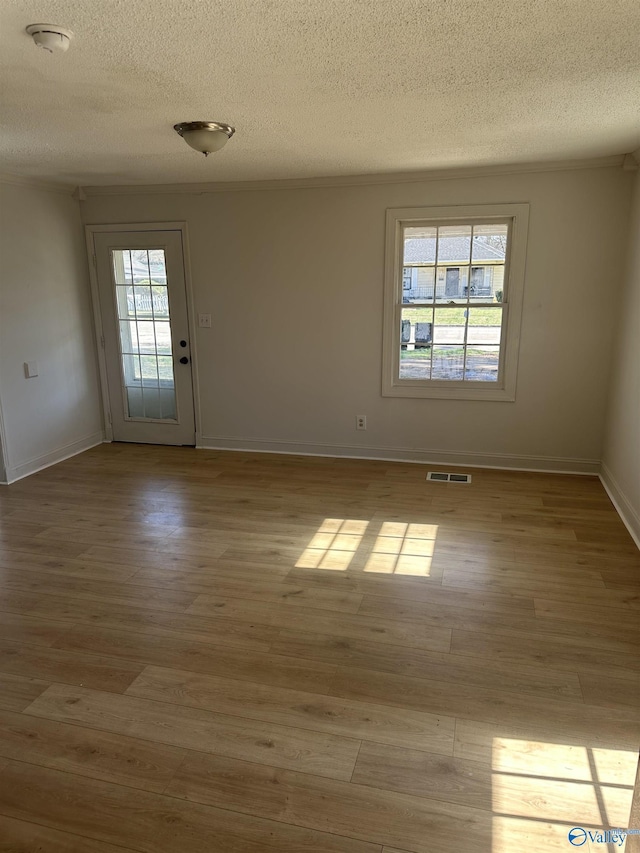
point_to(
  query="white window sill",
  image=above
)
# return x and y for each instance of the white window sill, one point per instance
(449, 392)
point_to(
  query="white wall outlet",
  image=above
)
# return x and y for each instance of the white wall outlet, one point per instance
(204, 321)
(30, 369)
(361, 421)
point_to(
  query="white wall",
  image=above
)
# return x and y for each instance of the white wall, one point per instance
(45, 316)
(621, 457)
(294, 281)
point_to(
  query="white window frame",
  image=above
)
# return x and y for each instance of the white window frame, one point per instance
(517, 215)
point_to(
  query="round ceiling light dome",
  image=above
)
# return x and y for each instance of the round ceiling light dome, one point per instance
(50, 37)
(205, 136)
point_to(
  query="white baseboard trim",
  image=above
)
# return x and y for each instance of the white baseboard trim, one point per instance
(540, 464)
(625, 510)
(39, 463)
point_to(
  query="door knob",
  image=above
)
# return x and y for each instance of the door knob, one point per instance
(184, 360)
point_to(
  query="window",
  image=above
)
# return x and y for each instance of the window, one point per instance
(454, 334)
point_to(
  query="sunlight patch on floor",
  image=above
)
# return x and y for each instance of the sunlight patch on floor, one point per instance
(400, 548)
(334, 545)
(541, 791)
(403, 549)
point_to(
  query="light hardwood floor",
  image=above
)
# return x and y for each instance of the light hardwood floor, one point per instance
(207, 651)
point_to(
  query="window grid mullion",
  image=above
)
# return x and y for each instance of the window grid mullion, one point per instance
(433, 303)
(466, 318)
(135, 314)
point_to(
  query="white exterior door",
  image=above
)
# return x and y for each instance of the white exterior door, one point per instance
(143, 306)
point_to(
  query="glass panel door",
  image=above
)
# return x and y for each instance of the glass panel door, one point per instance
(142, 299)
(145, 336)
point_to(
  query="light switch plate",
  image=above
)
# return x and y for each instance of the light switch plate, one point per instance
(204, 321)
(30, 369)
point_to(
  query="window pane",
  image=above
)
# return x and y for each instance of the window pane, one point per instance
(416, 335)
(482, 363)
(452, 284)
(420, 245)
(448, 362)
(454, 244)
(490, 243)
(490, 246)
(418, 284)
(449, 325)
(480, 284)
(484, 325)
(496, 282)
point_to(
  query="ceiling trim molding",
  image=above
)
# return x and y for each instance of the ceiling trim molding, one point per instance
(354, 180)
(36, 184)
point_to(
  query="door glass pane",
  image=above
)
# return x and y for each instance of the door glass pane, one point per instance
(168, 403)
(151, 398)
(146, 337)
(160, 297)
(149, 366)
(134, 401)
(165, 371)
(145, 333)
(163, 337)
(131, 369)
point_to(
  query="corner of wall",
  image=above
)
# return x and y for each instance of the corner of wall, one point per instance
(629, 516)
(38, 463)
(45, 316)
(620, 471)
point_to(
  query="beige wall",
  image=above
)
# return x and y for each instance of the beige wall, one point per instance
(45, 316)
(293, 279)
(621, 457)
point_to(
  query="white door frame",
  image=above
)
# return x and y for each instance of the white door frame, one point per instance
(90, 231)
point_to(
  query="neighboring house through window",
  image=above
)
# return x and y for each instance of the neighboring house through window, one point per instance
(452, 325)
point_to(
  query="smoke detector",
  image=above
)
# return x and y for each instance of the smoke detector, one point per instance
(51, 37)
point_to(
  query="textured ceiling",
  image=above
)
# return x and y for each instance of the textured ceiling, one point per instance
(315, 87)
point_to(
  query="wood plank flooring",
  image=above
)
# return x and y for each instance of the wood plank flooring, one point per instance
(222, 652)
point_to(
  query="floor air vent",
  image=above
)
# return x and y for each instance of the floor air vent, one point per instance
(441, 477)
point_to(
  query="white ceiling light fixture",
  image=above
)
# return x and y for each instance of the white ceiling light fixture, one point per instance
(50, 37)
(205, 136)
